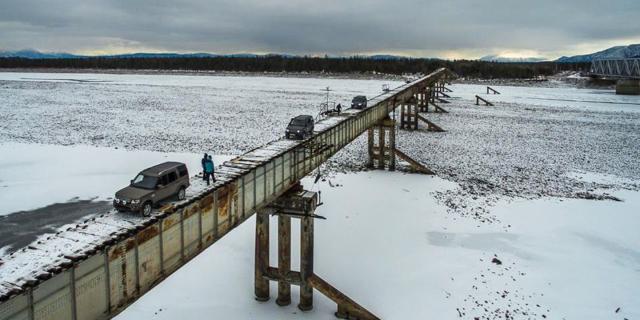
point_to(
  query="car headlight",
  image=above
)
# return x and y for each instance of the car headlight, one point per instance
(298, 131)
(135, 201)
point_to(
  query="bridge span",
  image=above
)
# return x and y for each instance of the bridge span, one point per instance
(97, 268)
(625, 71)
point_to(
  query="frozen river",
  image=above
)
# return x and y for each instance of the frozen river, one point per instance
(512, 182)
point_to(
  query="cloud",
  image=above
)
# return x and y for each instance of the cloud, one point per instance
(415, 27)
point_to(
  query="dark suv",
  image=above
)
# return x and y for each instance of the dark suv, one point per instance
(300, 127)
(153, 185)
(359, 102)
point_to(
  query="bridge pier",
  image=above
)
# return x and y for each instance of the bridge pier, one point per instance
(262, 255)
(300, 204)
(381, 148)
(628, 87)
(423, 99)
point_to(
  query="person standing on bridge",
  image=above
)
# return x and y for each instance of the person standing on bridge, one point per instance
(208, 170)
(204, 159)
(213, 169)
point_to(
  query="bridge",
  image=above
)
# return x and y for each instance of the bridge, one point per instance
(97, 268)
(625, 71)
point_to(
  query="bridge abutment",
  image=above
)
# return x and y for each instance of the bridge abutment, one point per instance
(628, 87)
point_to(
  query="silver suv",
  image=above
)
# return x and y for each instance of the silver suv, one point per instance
(153, 185)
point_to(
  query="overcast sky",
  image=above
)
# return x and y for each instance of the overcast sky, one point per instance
(422, 28)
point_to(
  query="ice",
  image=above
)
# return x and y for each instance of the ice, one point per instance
(405, 246)
(36, 175)
(390, 246)
(167, 113)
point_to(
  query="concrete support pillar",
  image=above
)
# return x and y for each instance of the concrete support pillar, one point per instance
(628, 86)
(306, 263)
(262, 255)
(284, 259)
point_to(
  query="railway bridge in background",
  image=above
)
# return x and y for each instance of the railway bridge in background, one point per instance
(99, 267)
(626, 72)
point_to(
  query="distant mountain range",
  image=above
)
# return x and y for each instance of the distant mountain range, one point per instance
(630, 51)
(34, 54)
(498, 58)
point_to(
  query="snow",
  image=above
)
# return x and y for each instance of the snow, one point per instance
(168, 113)
(525, 146)
(390, 246)
(405, 246)
(566, 97)
(36, 175)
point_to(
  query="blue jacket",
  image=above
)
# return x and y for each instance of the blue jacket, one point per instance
(208, 166)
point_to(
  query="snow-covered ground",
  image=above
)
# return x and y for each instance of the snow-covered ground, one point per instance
(36, 175)
(168, 113)
(390, 246)
(405, 246)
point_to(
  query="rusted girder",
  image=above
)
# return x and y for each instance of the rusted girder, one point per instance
(430, 125)
(284, 259)
(292, 277)
(492, 90)
(306, 264)
(262, 255)
(347, 308)
(478, 99)
(439, 108)
(417, 166)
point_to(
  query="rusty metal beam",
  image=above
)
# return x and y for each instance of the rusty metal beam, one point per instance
(262, 255)
(414, 164)
(306, 264)
(347, 308)
(284, 259)
(492, 90)
(478, 99)
(430, 125)
(292, 277)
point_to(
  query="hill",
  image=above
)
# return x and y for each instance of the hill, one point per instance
(617, 52)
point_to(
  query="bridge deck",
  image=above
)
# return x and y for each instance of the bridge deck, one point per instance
(113, 259)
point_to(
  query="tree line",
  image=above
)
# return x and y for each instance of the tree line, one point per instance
(464, 68)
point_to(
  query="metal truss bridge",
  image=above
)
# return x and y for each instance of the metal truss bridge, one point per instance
(616, 68)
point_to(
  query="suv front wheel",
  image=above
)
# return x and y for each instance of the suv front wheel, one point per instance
(146, 209)
(182, 194)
